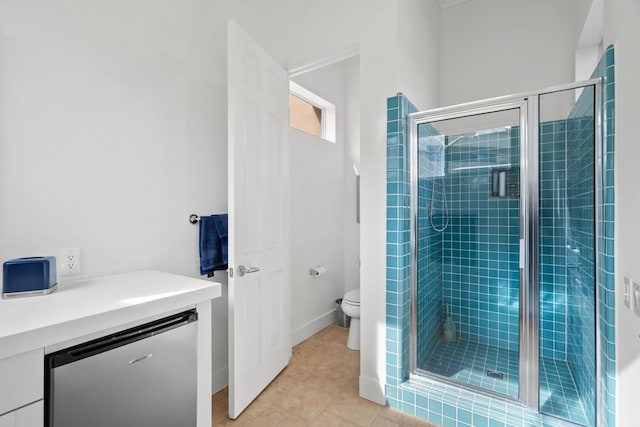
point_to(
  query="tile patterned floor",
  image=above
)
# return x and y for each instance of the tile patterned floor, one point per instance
(318, 388)
(468, 362)
(558, 392)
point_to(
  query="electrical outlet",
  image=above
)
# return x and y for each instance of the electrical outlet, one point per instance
(627, 292)
(70, 261)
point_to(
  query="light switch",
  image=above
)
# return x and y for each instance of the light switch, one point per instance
(627, 292)
(636, 298)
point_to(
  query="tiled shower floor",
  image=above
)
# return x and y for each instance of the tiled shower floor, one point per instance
(468, 362)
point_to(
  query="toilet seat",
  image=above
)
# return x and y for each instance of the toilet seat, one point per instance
(353, 297)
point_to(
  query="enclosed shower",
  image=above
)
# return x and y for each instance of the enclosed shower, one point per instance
(503, 225)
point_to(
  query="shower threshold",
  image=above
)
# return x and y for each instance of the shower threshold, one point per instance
(469, 363)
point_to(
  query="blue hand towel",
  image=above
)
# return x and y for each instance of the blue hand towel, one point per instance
(213, 244)
(221, 222)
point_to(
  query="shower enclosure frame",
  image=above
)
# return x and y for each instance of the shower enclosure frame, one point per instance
(529, 265)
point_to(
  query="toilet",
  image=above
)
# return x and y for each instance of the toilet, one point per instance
(351, 307)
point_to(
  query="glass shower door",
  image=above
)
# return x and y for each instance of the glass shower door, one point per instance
(466, 207)
(568, 161)
(506, 196)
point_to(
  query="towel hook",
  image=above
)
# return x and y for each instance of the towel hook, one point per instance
(193, 218)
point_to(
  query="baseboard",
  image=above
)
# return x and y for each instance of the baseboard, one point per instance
(219, 379)
(372, 390)
(312, 327)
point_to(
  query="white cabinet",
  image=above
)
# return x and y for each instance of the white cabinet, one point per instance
(85, 308)
(22, 380)
(31, 416)
(28, 416)
(22, 383)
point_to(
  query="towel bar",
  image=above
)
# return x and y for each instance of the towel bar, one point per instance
(193, 218)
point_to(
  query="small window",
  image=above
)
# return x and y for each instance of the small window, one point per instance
(310, 113)
(305, 116)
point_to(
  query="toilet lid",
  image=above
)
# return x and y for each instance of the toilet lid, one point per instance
(353, 296)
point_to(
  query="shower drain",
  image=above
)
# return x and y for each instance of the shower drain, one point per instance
(495, 374)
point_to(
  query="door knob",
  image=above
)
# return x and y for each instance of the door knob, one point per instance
(242, 270)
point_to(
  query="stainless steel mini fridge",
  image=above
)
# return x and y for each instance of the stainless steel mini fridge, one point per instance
(143, 377)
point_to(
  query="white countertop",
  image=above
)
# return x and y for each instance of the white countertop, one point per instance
(90, 305)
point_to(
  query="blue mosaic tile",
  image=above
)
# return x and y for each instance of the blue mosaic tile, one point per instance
(606, 226)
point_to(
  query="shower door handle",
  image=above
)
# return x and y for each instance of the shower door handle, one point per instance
(522, 258)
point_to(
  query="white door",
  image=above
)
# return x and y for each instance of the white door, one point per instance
(259, 298)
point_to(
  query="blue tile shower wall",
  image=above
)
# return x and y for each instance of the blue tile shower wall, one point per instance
(480, 245)
(429, 289)
(567, 261)
(606, 234)
(580, 247)
(398, 244)
(552, 220)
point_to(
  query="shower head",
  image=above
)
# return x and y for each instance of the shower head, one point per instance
(503, 129)
(477, 134)
(458, 139)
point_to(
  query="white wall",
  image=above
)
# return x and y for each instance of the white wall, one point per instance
(351, 159)
(622, 30)
(113, 129)
(499, 47)
(319, 209)
(586, 60)
(419, 52)
(382, 76)
(589, 33)
(373, 25)
(378, 80)
(106, 134)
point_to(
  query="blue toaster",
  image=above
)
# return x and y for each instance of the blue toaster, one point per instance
(29, 276)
